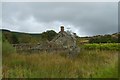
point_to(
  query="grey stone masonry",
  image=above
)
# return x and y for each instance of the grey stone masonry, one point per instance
(64, 41)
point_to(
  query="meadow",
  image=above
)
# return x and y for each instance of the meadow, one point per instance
(102, 46)
(89, 63)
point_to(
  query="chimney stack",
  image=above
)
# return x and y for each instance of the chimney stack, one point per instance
(75, 35)
(62, 28)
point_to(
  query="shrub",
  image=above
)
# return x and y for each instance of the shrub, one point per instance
(7, 49)
(103, 46)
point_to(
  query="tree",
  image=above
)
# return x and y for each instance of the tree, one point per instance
(14, 39)
(48, 35)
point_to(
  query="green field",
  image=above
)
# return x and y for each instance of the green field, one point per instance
(102, 46)
(89, 63)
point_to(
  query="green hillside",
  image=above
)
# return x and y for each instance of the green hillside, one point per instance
(18, 37)
(107, 38)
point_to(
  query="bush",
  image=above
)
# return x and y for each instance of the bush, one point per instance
(103, 46)
(7, 49)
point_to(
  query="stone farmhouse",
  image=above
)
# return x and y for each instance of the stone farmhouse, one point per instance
(64, 41)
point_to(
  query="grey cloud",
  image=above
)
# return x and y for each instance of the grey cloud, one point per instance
(89, 18)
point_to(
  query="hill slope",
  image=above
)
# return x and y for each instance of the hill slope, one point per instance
(18, 37)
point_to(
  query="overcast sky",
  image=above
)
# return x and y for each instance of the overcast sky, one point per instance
(83, 18)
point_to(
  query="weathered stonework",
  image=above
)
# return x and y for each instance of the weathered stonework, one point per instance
(64, 41)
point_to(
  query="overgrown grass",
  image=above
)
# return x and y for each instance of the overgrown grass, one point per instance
(0, 54)
(93, 63)
(87, 64)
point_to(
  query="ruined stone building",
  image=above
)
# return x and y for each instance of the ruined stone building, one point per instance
(64, 41)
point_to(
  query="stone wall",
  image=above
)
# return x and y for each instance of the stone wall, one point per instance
(46, 47)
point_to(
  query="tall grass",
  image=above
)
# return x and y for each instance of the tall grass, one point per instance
(0, 55)
(87, 64)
